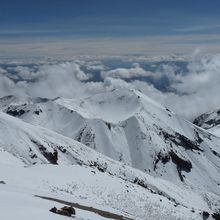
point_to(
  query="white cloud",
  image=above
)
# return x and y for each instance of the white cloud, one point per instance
(196, 91)
(6, 85)
(23, 72)
(49, 81)
(200, 86)
(135, 71)
(58, 80)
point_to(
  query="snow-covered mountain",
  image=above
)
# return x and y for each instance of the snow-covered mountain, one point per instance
(209, 121)
(85, 180)
(124, 125)
(144, 153)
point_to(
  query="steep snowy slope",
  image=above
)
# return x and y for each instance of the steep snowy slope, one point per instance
(129, 127)
(178, 164)
(92, 179)
(209, 121)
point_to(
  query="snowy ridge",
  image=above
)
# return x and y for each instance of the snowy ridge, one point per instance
(129, 127)
(170, 165)
(209, 121)
(72, 152)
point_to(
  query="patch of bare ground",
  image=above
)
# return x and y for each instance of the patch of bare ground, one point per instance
(87, 208)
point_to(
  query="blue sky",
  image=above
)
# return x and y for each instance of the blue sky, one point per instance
(115, 26)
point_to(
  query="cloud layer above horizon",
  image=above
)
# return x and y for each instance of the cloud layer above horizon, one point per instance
(189, 91)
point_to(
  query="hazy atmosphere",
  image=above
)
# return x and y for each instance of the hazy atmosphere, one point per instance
(167, 49)
(123, 27)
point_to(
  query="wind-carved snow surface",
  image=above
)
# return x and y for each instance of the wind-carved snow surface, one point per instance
(132, 151)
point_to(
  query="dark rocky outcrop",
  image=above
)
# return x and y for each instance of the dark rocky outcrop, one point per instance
(62, 149)
(216, 215)
(140, 182)
(198, 138)
(51, 157)
(37, 112)
(181, 140)
(215, 153)
(100, 212)
(100, 167)
(205, 215)
(2, 182)
(108, 125)
(66, 210)
(164, 158)
(208, 120)
(181, 164)
(32, 154)
(15, 112)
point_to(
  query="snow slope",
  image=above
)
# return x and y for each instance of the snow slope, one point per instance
(128, 127)
(209, 121)
(84, 181)
(88, 188)
(159, 162)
